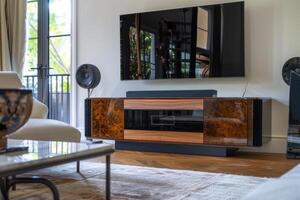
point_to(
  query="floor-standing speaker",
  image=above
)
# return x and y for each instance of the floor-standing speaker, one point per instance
(293, 149)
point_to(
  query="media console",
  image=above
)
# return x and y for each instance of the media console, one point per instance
(211, 125)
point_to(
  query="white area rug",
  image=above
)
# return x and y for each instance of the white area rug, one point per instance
(137, 183)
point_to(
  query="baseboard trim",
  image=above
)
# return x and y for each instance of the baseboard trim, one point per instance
(278, 137)
(275, 145)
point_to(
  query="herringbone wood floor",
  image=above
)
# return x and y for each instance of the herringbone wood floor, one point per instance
(251, 164)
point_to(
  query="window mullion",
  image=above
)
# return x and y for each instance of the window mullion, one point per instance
(43, 49)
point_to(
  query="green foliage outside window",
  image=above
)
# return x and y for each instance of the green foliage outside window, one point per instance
(59, 39)
(146, 51)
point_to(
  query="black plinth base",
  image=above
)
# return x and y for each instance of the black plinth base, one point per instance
(176, 148)
(14, 149)
(293, 155)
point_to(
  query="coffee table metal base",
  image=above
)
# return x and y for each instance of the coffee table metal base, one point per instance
(7, 183)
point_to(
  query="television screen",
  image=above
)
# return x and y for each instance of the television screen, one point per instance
(197, 42)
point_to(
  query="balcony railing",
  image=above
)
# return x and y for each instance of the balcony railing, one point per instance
(59, 95)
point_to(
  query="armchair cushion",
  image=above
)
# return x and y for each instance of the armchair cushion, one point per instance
(38, 127)
(47, 130)
(39, 110)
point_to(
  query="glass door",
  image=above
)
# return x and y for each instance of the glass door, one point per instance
(30, 75)
(48, 56)
(59, 40)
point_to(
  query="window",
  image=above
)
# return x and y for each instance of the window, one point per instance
(32, 36)
(48, 55)
(60, 36)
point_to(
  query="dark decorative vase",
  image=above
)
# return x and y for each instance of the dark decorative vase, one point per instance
(15, 110)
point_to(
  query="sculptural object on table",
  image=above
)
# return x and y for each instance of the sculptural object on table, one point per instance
(15, 110)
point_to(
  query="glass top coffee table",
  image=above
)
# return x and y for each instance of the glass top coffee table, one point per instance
(44, 154)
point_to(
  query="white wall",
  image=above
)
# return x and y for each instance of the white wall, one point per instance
(272, 35)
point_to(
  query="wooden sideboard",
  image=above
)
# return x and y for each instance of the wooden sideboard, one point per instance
(231, 122)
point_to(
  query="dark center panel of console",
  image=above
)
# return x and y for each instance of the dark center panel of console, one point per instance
(164, 120)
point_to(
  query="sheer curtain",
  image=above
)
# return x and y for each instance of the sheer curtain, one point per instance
(12, 35)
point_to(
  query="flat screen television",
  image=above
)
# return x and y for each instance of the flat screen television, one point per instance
(196, 42)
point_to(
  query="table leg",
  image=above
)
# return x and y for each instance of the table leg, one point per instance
(14, 187)
(78, 166)
(43, 181)
(107, 188)
(3, 189)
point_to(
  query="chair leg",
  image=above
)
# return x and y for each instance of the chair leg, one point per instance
(78, 166)
(14, 187)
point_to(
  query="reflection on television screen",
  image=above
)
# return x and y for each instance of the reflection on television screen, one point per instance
(196, 42)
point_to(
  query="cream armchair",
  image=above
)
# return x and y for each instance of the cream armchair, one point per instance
(38, 126)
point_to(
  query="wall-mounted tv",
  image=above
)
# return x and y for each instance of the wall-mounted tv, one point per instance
(196, 42)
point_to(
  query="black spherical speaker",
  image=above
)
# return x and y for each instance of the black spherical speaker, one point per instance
(88, 76)
(292, 64)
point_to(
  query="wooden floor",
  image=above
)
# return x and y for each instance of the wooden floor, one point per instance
(251, 164)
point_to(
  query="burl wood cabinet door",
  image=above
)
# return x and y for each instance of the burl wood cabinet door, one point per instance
(107, 118)
(225, 121)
